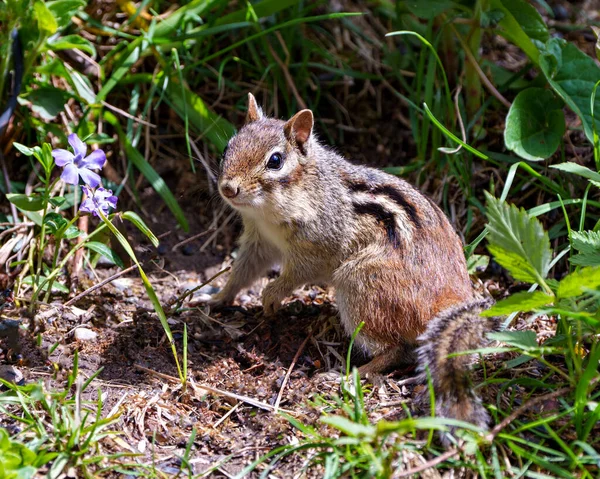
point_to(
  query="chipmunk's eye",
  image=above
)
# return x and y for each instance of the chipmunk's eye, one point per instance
(275, 162)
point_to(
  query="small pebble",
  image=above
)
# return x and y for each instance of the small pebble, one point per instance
(84, 334)
(244, 298)
(560, 13)
(11, 374)
(162, 250)
(188, 250)
(202, 298)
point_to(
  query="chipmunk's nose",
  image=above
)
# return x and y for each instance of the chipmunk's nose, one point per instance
(230, 190)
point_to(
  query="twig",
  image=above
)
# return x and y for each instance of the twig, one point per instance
(217, 231)
(192, 238)
(517, 412)
(179, 301)
(100, 284)
(226, 415)
(218, 392)
(289, 371)
(288, 77)
(434, 462)
(484, 79)
(127, 115)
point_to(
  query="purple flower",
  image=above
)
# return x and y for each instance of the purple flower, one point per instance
(76, 165)
(99, 200)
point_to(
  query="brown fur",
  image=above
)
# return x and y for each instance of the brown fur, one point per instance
(392, 255)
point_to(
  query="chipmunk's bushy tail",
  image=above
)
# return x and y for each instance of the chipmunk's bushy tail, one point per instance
(460, 328)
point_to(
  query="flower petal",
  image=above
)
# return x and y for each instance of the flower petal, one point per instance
(112, 201)
(95, 160)
(87, 206)
(87, 191)
(89, 177)
(70, 174)
(79, 147)
(62, 157)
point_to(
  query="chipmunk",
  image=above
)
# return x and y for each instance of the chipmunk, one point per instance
(391, 254)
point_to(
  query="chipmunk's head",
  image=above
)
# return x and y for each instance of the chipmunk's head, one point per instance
(266, 161)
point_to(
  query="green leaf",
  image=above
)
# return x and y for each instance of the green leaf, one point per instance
(575, 284)
(348, 427)
(517, 241)
(528, 18)
(511, 28)
(57, 201)
(588, 245)
(572, 74)
(429, 9)
(46, 101)
(105, 251)
(580, 170)
(523, 301)
(46, 21)
(63, 10)
(139, 223)
(535, 124)
(26, 202)
(477, 263)
(23, 149)
(54, 222)
(526, 340)
(150, 173)
(71, 41)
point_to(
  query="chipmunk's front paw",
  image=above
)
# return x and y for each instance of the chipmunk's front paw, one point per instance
(273, 295)
(219, 299)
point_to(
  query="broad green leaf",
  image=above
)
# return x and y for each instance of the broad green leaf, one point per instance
(46, 21)
(139, 223)
(46, 101)
(348, 427)
(429, 9)
(105, 251)
(528, 18)
(71, 41)
(580, 170)
(26, 202)
(576, 283)
(54, 222)
(523, 301)
(513, 30)
(517, 241)
(535, 124)
(526, 340)
(57, 201)
(572, 74)
(23, 149)
(588, 245)
(169, 26)
(146, 169)
(63, 10)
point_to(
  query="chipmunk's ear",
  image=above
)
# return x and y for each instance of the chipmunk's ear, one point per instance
(254, 111)
(299, 127)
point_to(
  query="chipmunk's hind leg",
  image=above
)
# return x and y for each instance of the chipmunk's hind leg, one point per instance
(389, 358)
(374, 288)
